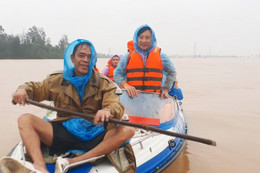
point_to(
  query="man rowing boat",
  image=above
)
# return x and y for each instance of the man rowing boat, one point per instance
(78, 88)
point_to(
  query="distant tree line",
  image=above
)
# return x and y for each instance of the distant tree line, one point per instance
(32, 44)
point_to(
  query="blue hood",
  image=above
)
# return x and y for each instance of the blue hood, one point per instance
(135, 39)
(68, 72)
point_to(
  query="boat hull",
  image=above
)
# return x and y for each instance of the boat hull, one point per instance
(154, 152)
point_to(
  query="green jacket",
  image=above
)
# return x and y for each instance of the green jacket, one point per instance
(99, 93)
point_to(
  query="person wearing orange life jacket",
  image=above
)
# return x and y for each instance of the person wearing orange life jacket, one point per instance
(145, 67)
(110, 67)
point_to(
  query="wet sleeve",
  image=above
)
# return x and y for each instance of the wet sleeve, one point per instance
(119, 72)
(169, 72)
(37, 91)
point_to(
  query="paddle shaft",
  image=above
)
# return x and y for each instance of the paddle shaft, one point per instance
(112, 120)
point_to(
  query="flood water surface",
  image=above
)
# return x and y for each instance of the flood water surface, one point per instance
(221, 102)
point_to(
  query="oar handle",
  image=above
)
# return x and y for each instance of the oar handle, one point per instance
(115, 121)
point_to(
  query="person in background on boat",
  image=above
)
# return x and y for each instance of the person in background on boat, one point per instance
(110, 67)
(77, 89)
(176, 91)
(144, 65)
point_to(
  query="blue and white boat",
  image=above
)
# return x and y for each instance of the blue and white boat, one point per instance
(153, 151)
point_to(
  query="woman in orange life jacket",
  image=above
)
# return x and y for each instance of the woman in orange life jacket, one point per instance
(110, 67)
(145, 67)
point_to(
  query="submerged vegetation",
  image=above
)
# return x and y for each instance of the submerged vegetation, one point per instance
(32, 44)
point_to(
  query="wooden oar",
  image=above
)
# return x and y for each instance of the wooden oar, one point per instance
(112, 120)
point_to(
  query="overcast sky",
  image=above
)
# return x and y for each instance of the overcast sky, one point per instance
(222, 27)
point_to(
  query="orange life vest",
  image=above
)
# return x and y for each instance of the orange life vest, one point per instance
(111, 69)
(146, 78)
(130, 46)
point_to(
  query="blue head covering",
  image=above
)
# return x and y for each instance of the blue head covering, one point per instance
(68, 72)
(110, 60)
(135, 39)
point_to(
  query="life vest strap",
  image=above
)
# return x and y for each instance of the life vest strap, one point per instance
(147, 87)
(144, 70)
(144, 79)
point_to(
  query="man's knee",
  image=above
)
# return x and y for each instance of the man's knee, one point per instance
(128, 132)
(25, 120)
(131, 131)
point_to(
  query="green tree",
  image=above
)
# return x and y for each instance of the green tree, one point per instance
(1, 30)
(32, 44)
(36, 36)
(3, 42)
(63, 43)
